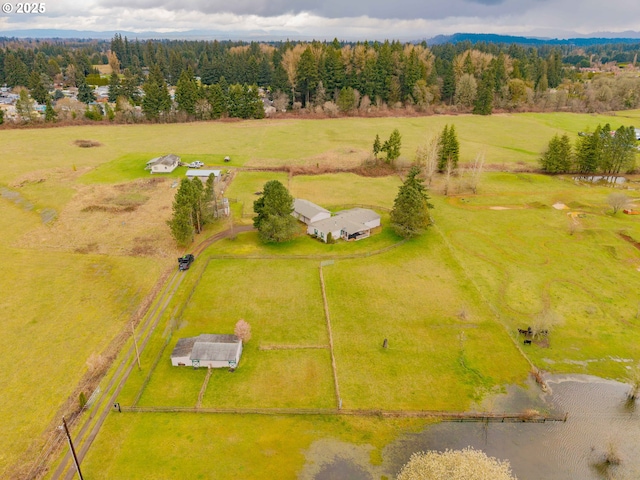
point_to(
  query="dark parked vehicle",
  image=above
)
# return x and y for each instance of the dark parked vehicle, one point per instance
(185, 261)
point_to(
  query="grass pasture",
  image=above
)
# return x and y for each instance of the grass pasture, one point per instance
(85, 241)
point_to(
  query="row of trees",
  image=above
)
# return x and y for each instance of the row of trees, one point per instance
(604, 150)
(193, 207)
(476, 77)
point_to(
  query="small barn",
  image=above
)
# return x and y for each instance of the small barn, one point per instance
(308, 212)
(207, 350)
(166, 164)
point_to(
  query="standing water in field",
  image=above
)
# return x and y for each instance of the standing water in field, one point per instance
(601, 421)
(606, 180)
(601, 424)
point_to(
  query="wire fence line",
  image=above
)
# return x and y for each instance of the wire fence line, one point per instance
(487, 417)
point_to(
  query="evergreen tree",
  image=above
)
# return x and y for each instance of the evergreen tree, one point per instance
(129, 87)
(181, 223)
(448, 148)
(410, 214)
(274, 220)
(483, 104)
(156, 102)
(558, 157)
(37, 88)
(588, 151)
(377, 147)
(217, 100)
(307, 74)
(115, 89)
(392, 146)
(16, 73)
(346, 100)
(85, 92)
(187, 92)
(49, 113)
(1, 116)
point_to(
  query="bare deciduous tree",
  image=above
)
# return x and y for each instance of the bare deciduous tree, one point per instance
(545, 321)
(427, 158)
(617, 201)
(447, 176)
(243, 331)
(633, 379)
(475, 172)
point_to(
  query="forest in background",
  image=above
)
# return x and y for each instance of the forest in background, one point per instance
(214, 79)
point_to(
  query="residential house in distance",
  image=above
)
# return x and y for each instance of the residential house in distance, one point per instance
(207, 350)
(166, 164)
(353, 224)
(308, 212)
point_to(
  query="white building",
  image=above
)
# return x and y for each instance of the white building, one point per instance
(207, 350)
(166, 164)
(308, 212)
(353, 224)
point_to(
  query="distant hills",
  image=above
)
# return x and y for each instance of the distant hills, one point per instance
(585, 41)
(597, 38)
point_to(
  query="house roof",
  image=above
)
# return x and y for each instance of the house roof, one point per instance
(307, 209)
(351, 221)
(202, 173)
(208, 347)
(169, 160)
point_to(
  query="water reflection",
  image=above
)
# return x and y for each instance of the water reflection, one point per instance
(601, 421)
(610, 180)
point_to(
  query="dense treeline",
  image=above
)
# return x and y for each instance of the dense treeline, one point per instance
(604, 151)
(215, 79)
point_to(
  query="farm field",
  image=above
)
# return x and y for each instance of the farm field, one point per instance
(85, 233)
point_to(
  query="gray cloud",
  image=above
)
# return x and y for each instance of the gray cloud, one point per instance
(398, 9)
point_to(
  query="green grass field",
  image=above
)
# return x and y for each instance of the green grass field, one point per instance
(449, 303)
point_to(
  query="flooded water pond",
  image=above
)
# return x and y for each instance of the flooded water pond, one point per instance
(600, 419)
(606, 180)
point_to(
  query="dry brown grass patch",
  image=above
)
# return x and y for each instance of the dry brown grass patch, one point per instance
(123, 219)
(87, 143)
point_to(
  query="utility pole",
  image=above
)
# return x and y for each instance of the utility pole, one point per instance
(133, 334)
(73, 450)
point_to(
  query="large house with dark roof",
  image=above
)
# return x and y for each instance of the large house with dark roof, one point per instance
(207, 350)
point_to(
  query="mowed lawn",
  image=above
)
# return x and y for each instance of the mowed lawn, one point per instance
(533, 258)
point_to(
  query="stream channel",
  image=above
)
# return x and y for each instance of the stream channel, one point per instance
(600, 419)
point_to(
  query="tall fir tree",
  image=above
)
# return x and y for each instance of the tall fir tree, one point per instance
(410, 214)
(187, 92)
(115, 89)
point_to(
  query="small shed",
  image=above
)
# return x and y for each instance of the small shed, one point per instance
(207, 350)
(166, 164)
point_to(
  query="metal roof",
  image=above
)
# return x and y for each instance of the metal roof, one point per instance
(166, 160)
(307, 209)
(208, 347)
(202, 173)
(351, 221)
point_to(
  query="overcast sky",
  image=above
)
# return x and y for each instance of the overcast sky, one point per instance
(345, 19)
